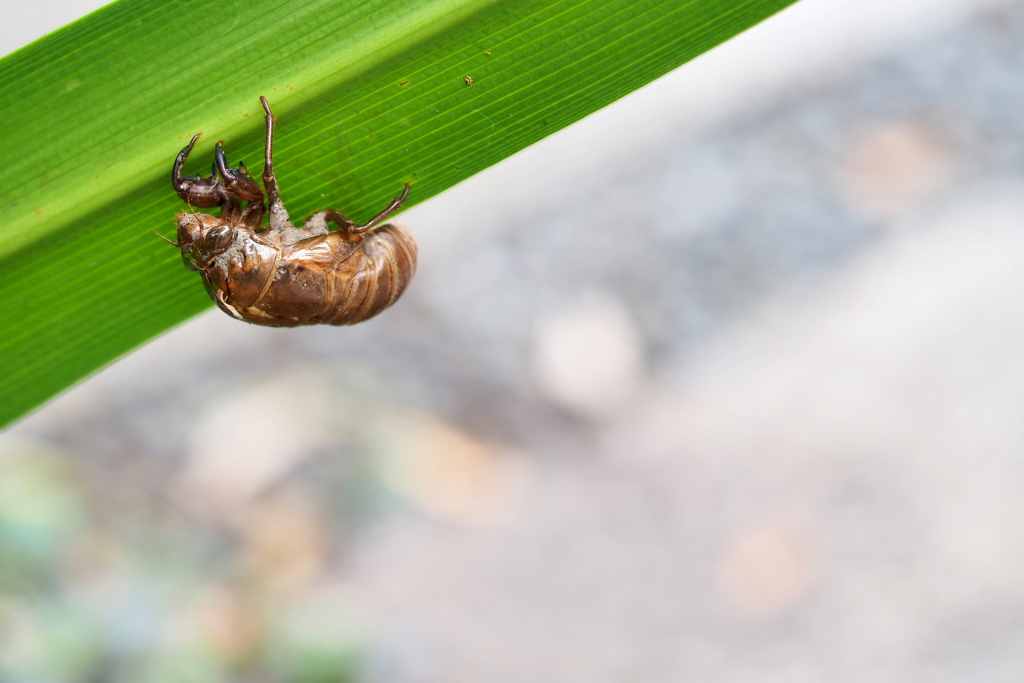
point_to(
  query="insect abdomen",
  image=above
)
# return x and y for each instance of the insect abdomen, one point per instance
(301, 285)
(373, 278)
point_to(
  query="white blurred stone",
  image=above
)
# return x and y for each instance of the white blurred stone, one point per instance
(894, 167)
(448, 473)
(589, 358)
(765, 570)
(253, 437)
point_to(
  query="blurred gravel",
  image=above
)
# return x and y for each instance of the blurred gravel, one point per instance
(743, 406)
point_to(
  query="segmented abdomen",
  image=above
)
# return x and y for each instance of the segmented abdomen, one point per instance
(334, 278)
(372, 278)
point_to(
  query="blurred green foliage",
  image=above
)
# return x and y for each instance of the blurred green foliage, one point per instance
(80, 601)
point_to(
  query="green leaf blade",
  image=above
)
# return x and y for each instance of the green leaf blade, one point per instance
(368, 95)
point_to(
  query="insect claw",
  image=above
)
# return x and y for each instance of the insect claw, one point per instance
(230, 175)
(179, 163)
(221, 162)
(236, 180)
(191, 144)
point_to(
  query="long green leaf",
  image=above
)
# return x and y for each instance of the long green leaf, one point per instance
(369, 94)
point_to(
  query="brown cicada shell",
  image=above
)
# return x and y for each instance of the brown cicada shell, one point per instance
(285, 276)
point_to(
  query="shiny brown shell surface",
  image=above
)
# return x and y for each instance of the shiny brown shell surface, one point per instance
(281, 275)
(334, 279)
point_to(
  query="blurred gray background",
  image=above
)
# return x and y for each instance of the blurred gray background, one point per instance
(724, 383)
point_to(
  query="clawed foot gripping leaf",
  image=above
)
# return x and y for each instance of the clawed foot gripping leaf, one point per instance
(372, 94)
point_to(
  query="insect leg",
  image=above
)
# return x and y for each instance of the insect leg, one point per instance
(337, 218)
(278, 214)
(236, 180)
(207, 192)
(197, 191)
(341, 220)
(252, 215)
(218, 297)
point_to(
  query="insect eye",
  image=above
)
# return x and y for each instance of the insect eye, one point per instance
(218, 239)
(213, 243)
